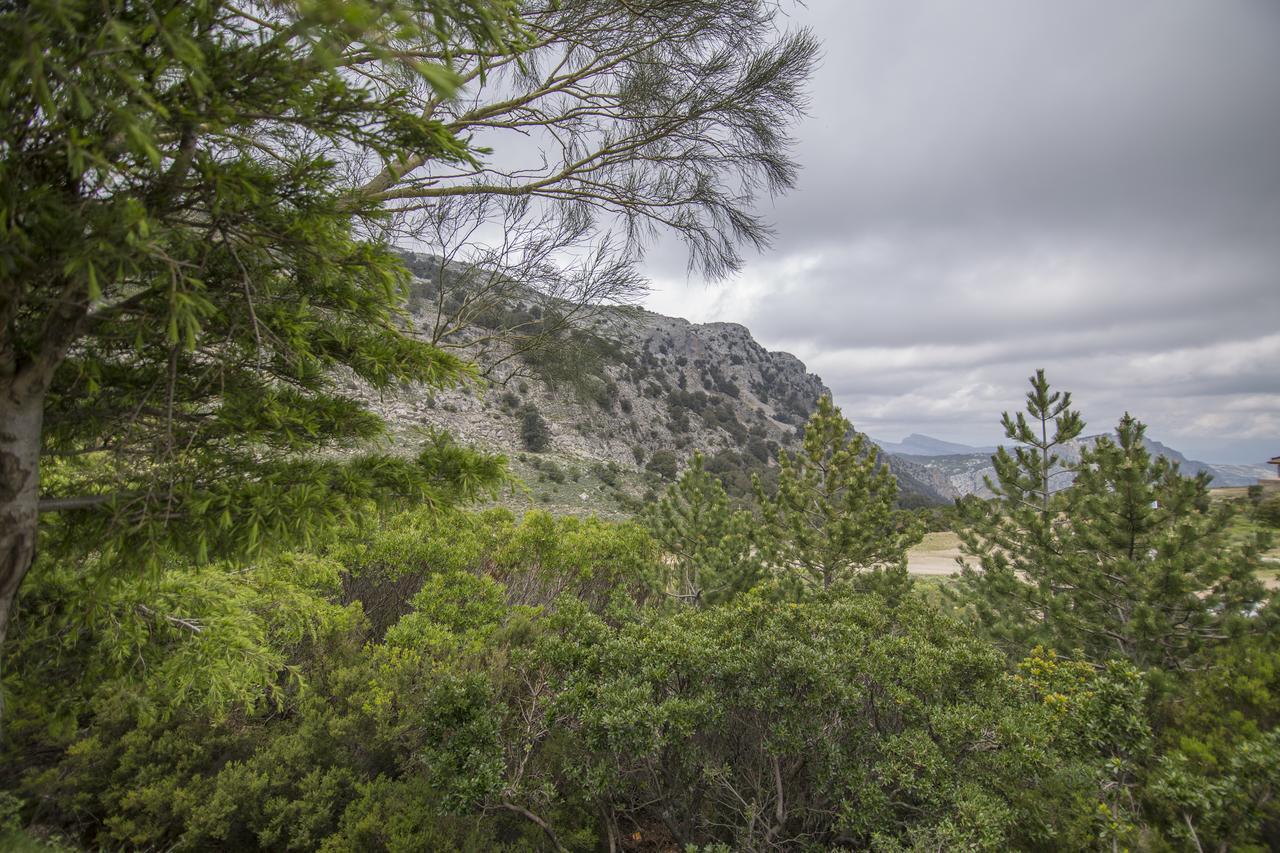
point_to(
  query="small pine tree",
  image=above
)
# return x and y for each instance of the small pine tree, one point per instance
(1146, 569)
(1027, 476)
(708, 543)
(834, 512)
(1268, 511)
(1012, 535)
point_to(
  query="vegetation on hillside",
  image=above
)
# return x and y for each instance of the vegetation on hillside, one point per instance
(445, 678)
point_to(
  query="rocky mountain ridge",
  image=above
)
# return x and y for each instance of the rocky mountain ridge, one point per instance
(621, 402)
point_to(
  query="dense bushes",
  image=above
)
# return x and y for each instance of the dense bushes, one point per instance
(532, 696)
(714, 412)
(664, 463)
(689, 729)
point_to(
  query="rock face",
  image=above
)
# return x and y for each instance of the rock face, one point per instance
(633, 390)
(669, 385)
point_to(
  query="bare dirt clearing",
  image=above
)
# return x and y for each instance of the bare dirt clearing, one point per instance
(935, 555)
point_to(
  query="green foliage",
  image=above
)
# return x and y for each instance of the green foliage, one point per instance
(664, 463)
(256, 711)
(907, 735)
(285, 501)
(833, 514)
(206, 640)
(1212, 782)
(936, 519)
(1267, 511)
(607, 474)
(444, 679)
(1132, 561)
(576, 358)
(737, 472)
(534, 431)
(707, 543)
(609, 567)
(527, 694)
(184, 286)
(1026, 476)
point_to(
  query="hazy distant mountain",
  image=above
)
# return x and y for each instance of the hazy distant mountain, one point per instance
(926, 445)
(1241, 475)
(965, 471)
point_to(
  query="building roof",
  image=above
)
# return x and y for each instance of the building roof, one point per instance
(1274, 460)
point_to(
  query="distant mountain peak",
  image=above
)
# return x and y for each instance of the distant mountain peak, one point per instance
(918, 444)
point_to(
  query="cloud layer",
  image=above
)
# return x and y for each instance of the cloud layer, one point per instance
(1089, 187)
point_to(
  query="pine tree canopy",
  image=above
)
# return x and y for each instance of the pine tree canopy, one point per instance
(834, 513)
(708, 542)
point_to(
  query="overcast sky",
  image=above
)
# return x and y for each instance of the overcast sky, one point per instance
(1087, 186)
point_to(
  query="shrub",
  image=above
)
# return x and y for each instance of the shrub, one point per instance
(607, 474)
(664, 463)
(534, 431)
(1268, 511)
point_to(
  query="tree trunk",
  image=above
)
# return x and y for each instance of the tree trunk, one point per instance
(21, 415)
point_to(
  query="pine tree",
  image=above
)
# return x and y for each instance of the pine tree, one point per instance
(184, 278)
(1013, 535)
(1027, 476)
(834, 512)
(707, 541)
(1146, 568)
(194, 199)
(534, 431)
(1131, 561)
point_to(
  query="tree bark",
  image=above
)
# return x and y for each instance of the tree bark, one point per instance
(21, 416)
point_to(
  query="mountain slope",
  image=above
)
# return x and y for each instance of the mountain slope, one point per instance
(624, 399)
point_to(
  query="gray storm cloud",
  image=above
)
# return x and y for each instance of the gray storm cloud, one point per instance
(1091, 187)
